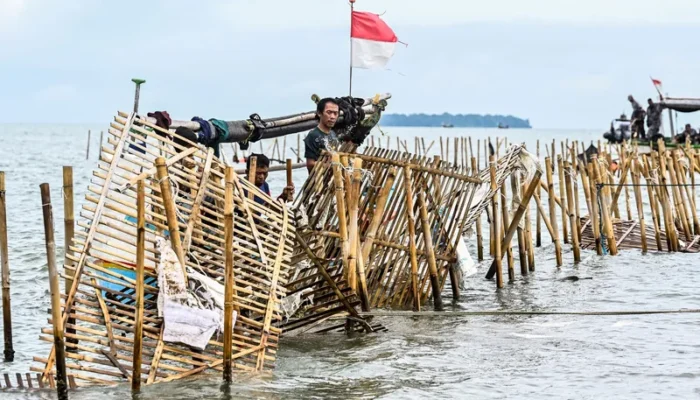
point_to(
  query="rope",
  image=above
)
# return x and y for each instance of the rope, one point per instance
(507, 313)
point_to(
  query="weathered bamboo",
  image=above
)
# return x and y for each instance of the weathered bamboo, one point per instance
(251, 174)
(655, 218)
(442, 151)
(522, 249)
(428, 239)
(678, 196)
(378, 215)
(494, 225)
(663, 197)
(552, 209)
(408, 189)
(517, 216)
(528, 233)
(479, 235)
(562, 196)
(353, 232)
(638, 200)
(140, 254)
(604, 193)
(538, 217)
(171, 213)
(229, 280)
(298, 147)
(338, 180)
(593, 206)
(9, 351)
(507, 245)
(456, 157)
(575, 240)
(574, 171)
(69, 230)
(61, 383)
(101, 136)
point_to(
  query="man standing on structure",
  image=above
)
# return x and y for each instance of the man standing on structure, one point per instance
(637, 118)
(654, 120)
(322, 137)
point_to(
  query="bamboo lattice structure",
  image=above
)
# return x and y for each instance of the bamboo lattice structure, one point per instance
(184, 194)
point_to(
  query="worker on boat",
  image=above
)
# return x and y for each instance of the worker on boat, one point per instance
(637, 119)
(654, 120)
(322, 137)
(262, 167)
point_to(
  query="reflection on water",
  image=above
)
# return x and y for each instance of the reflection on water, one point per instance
(633, 356)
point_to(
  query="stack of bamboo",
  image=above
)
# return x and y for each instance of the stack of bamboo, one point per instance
(387, 224)
(182, 200)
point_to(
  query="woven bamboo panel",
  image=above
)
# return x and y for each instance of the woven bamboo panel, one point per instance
(99, 311)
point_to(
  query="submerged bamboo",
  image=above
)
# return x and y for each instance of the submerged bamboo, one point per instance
(228, 273)
(9, 351)
(412, 237)
(59, 344)
(494, 225)
(552, 210)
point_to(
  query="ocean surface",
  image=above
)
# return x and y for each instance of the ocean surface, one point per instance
(491, 357)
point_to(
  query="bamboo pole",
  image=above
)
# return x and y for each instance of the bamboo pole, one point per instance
(101, 136)
(59, 345)
(251, 174)
(574, 171)
(522, 249)
(229, 279)
(671, 234)
(517, 216)
(412, 236)
(538, 217)
(501, 234)
(552, 209)
(605, 208)
(87, 151)
(69, 230)
(298, 147)
(655, 218)
(430, 250)
(139, 305)
(353, 192)
(638, 200)
(562, 196)
(378, 215)
(575, 240)
(528, 234)
(678, 195)
(171, 213)
(342, 218)
(494, 225)
(9, 351)
(479, 235)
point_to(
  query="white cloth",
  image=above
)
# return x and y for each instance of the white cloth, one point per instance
(190, 325)
(465, 263)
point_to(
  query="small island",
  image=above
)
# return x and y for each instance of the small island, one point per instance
(455, 120)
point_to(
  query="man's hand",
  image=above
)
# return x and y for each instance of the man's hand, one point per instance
(287, 194)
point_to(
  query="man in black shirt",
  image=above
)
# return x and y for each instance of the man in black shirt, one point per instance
(322, 137)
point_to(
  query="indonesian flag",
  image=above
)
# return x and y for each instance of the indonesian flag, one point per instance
(657, 85)
(373, 42)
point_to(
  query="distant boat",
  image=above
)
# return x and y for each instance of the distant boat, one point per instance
(501, 126)
(446, 125)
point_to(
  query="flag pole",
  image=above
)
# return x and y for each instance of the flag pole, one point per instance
(352, 8)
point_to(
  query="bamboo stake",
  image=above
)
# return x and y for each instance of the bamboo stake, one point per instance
(528, 233)
(494, 225)
(604, 193)
(298, 147)
(69, 229)
(412, 236)
(538, 232)
(671, 234)
(678, 195)
(430, 250)
(171, 213)
(501, 234)
(479, 235)
(552, 209)
(353, 231)
(562, 196)
(575, 240)
(378, 215)
(101, 135)
(456, 157)
(640, 207)
(517, 216)
(342, 219)
(574, 170)
(9, 351)
(229, 280)
(522, 249)
(251, 174)
(655, 219)
(140, 254)
(61, 382)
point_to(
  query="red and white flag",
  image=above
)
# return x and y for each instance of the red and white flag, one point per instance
(373, 42)
(657, 85)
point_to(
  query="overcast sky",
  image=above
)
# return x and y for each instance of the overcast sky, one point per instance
(560, 63)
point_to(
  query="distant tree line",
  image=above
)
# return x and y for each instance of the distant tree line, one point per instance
(457, 120)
